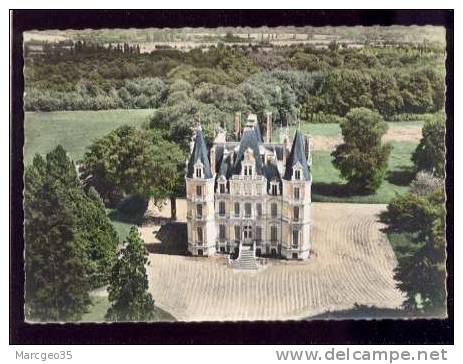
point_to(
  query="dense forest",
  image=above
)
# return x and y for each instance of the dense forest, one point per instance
(299, 81)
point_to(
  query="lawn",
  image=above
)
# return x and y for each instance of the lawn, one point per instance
(329, 129)
(100, 305)
(74, 130)
(329, 187)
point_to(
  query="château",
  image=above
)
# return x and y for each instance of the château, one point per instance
(252, 193)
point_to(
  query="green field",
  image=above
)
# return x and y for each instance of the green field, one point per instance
(329, 129)
(74, 130)
(329, 187)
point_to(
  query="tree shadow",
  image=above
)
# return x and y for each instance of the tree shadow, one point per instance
(402, 176)
(130, 210)
(363, 312)
(335, 189)
(173, 239)
(329, 189)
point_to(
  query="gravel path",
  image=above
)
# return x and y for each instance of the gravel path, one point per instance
(352, 263)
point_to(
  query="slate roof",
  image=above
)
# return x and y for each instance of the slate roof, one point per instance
(297, 155)
(271, 171)
(219, 151)
(248, 140)
(224, 167)
(258, 133)
(199, 152)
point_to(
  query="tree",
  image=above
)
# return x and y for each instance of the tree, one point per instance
(56, 286)
(362, 158)
(128, 287)
(429, 155)
(347, 89)
(95, 231)
(417, 92)
(129, 161)
(98, 235)
(421, 272)
(385, 93)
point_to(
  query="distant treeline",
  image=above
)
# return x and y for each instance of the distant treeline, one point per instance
(313, 84)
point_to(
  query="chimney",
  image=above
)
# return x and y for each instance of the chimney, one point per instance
(269, 127)
(237, 125)
(306, 147)
(212, 159)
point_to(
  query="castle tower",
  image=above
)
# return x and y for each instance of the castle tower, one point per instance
(296, 202)
(200, 200)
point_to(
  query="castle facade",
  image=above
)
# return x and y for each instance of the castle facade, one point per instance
(252, 193)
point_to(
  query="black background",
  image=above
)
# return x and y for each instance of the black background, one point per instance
(420, 331)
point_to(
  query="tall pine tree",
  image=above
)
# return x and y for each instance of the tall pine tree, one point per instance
(128, 288)
(56, 285)
(66, 231)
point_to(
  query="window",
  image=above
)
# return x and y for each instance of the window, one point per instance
(273, 233)
(198, 191)
(248, 189)
(199, 211)
(296, 213)
(274, 210)
(237, 209)
(199, 235)
(297, 193)
(247, 232)
(258, 233)
(259, 210)
(250, 171)
(222, 187)
(247, 209)
(199, 172)
(295, 238)
(222, 208)
(297, 174)
(274, 189)
(237, 232)
(222, 231)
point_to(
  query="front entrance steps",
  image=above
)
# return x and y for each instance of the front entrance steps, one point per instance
(246, 259)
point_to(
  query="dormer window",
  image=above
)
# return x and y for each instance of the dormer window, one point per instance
(222, 185)
(297, 172)
(248, 162)
(247, 170)
(274, 188)
(198, 167)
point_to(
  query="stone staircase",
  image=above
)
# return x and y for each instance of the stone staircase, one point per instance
(246, 260)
